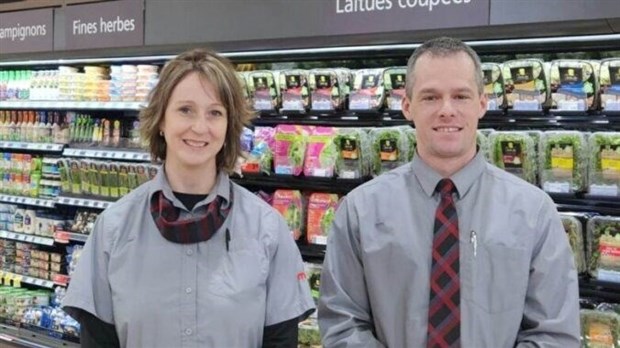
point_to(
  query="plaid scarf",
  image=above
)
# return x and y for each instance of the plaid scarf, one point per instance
(194, 230)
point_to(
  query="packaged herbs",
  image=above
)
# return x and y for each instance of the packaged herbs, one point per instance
(563, 161)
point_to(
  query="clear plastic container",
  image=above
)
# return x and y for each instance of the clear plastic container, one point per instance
(390, 148)
(353, 153)
(573, 85)
(326, 90)
(368, 90)
(563, 161)
(394, 80)
(294, 90)
(263, 90)
(525, 84)
(493, 85)
(604, 171)
(514, 152)
(609, 78)
(604, 248)
(575, 232)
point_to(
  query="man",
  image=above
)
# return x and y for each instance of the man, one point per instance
(484, 262)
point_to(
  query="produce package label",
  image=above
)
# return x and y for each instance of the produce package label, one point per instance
(599, 335)
(562, 160)
(609, 260)
(389, 150)
(512, 155)
(610, 161)
(349, 149)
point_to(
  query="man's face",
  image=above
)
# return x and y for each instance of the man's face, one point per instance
(445, 106)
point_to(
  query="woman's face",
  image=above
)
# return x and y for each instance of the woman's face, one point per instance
(194, 125)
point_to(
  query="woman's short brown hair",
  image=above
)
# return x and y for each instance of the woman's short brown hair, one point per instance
(221, 73)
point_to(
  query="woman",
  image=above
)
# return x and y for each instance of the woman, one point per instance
(190, 259)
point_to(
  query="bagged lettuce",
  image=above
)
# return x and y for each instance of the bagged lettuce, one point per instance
(514, 152)
(290, 149)
(321, 152)
(604, 174)
(260, 158)
(353, 150)
(321, 213)
(563, 161)
(390, 148)
(290, 204)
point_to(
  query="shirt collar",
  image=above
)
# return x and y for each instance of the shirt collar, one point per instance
(221, 188)
(463, 179)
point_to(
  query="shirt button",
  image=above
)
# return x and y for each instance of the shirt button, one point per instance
(188, 331)
(188, 290)
(189, 252)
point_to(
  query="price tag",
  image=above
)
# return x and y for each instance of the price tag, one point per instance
(21, 237)
(96, 204)
(29, 239)
(66, 200)
(7, 278)
(135, 156)
(38, 282)
(82, 153)
(37, 202)
(49, 147)
(10, 144)
(17, 281)
(124, 155)
(62, 237)
(76, 202)
(105, 205)
(22, 200)
(146, 157)
(320, 240)
(104, 154)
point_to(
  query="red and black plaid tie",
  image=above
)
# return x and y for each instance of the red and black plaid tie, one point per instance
(444, 315)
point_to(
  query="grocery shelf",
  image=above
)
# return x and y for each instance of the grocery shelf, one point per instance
(39, 202)
(31, 337)
(275, 181)
(606, 291)
(20, 145)
(28, 238)
(117, 154)
(83, 202)
(69, 105)
(7, 277)
(64, 237)
(582, 202)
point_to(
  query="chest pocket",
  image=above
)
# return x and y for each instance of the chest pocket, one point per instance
(242, 270)
(500, 277)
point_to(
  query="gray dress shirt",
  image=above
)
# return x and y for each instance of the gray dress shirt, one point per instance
(163, 294)
(518, 281)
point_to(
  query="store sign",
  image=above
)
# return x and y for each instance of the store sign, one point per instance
(237, 20)
(26, 31)
(102, 25)
(373, 16)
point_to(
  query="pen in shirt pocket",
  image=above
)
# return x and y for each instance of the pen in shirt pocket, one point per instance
(227, 240)
(473, 239)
